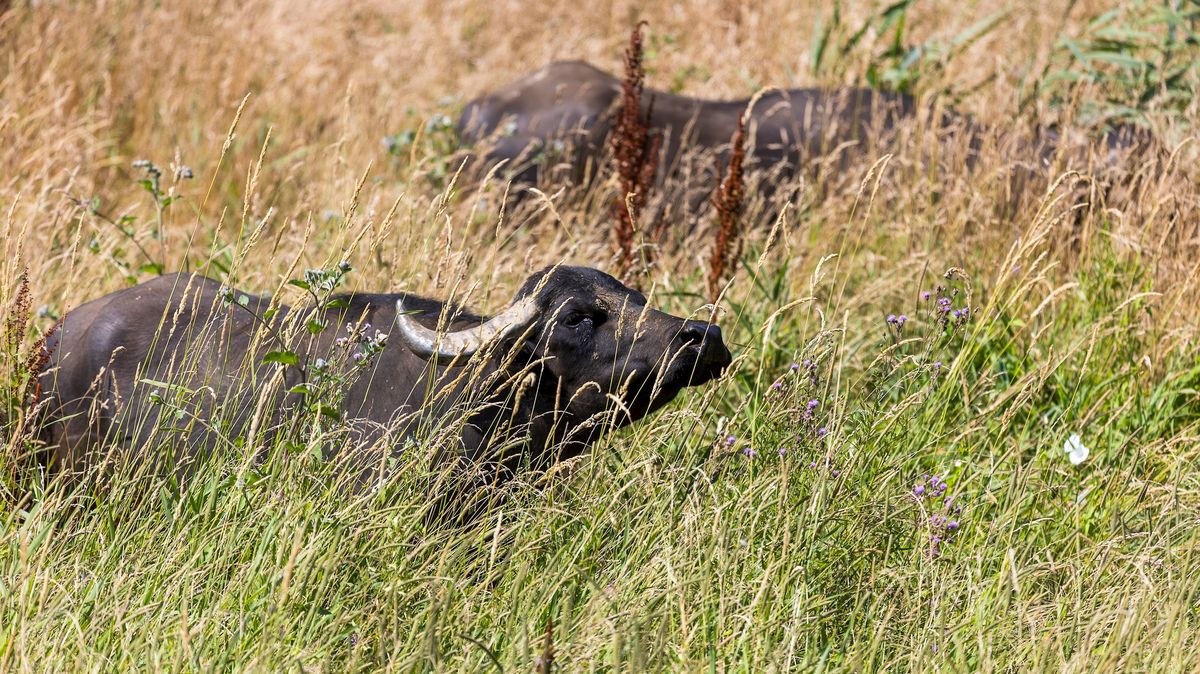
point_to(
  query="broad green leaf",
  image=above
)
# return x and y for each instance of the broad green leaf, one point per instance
(282, 357)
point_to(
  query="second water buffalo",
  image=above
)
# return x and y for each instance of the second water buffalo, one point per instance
(561, 116)
(568, 108)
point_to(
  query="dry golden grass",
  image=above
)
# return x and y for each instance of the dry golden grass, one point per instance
(87, 89)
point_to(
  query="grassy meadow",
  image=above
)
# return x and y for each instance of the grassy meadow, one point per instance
(856, 494)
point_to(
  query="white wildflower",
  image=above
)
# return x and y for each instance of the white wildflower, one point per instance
(1076, 451)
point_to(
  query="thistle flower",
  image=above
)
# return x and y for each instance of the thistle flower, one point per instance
(942, 526)
(938, 487)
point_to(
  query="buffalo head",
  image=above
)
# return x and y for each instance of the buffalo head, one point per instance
(592, 345)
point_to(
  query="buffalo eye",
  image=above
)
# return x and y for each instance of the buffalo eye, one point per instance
(578, 320)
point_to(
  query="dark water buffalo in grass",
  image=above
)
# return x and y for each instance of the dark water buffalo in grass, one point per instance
(559, 117)
(161, 374)
(566, 108)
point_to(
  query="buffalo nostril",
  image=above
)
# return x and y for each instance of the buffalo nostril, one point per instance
(696, 334)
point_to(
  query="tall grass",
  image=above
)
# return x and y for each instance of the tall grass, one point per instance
(741, 529)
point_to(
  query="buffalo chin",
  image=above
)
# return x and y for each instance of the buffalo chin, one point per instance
(655, 392)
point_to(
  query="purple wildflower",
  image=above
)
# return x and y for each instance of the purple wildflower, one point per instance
(729, 440)
(919, 490)
(926, 295)
(749, 452)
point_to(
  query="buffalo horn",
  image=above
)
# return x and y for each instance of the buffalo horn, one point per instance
(447, 346)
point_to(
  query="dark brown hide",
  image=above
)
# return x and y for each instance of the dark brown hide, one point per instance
(168, 371)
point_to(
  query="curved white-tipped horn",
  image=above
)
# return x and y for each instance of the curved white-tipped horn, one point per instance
(447, 346)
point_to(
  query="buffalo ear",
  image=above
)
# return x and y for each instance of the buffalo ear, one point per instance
(520, 348)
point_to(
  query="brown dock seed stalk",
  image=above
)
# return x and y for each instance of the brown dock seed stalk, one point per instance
(635, 152)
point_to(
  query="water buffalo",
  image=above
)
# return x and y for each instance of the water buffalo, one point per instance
(163, 373)
(566, 108)
(561, 116)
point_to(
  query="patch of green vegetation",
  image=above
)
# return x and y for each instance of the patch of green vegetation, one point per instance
(906, 505)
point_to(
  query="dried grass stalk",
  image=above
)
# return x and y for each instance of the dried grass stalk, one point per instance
(727, 200)
(635, 153)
